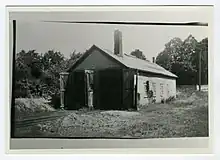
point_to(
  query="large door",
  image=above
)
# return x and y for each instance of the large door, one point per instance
(128, 89)
(76, 90)
(110, 89)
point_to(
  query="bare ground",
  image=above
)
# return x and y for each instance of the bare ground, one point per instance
(187, 116)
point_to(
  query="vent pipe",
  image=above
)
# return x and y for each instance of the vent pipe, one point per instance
(153, 59)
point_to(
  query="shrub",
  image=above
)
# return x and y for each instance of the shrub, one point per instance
(20, 90)
(154, 100)
(26, 107)
(150, 94)
(19, 93)
(171, 98)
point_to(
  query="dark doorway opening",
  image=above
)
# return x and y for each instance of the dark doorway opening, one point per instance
(107, 89)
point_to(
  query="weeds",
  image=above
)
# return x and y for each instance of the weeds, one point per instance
(185, 116)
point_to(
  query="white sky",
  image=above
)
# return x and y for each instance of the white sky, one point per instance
(42, 36)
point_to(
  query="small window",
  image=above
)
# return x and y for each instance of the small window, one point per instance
(154, 88)
(147, 86)
(161, 90)
(168, 90)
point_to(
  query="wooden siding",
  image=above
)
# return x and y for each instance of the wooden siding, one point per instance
(96, 61)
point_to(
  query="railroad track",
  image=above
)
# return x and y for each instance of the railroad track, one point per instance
(39, 119)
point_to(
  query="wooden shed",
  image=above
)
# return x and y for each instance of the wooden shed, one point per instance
(113, 80)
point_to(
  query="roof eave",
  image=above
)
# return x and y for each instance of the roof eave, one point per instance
(170, 76)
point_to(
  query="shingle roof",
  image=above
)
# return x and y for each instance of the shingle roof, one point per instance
(136, 63)
(128, 61)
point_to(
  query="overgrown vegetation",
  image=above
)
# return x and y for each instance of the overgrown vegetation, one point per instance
(37, 75)
(27, 107)
(187, 116)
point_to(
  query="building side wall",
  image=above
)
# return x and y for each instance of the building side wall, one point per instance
(96, 61)
(162, 88)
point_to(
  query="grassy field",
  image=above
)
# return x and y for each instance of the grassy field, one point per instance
(187, 116)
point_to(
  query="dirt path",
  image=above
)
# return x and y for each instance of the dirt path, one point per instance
(37, 119)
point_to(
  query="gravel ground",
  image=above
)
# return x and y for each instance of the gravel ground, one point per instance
(185, 117)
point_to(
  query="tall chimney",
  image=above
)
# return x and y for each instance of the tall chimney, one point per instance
(153, 60)
(118, 43)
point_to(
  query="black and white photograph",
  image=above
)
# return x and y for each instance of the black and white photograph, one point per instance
(110, 74)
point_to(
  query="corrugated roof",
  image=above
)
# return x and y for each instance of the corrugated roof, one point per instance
(136, 63)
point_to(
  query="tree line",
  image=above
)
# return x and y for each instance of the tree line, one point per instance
(37, 74)
(181, 57)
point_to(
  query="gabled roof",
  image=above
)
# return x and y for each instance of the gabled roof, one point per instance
(129, 61)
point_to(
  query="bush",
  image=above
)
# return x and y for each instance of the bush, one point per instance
(26, 107)
(19, 93)
(172, 98)
(20, 90)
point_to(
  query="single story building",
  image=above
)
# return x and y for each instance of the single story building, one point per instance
(113, 80)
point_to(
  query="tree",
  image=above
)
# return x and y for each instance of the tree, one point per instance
(139, 54)
(53, 63)
(171, 53)
(73, 58)
(52, 58)
(186, 71)
(29, 63)
(181, 58)
(28, 71)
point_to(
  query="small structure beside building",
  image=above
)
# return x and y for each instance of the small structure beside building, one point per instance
(102, 79)
(203, 88)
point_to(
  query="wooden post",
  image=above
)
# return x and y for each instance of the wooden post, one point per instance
(89, 90)
(13, 80)
(200, 70)
(86, 88)
(136, 90)
(63, 78)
